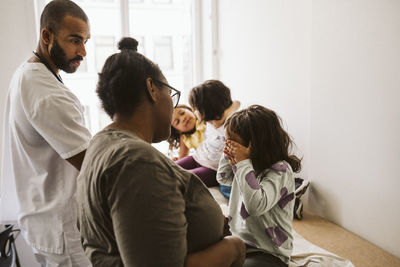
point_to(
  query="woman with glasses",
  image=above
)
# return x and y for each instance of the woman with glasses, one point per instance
(137, 207)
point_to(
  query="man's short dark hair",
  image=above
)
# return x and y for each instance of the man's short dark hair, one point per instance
(211, 99)
(56, 10)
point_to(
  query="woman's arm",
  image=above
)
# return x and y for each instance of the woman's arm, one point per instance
(147, 210)
(148, 217)
(235, 105)
(229, 252)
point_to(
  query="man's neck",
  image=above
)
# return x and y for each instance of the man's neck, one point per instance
(44, 57)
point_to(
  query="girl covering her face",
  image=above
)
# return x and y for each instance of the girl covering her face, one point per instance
(257, 164)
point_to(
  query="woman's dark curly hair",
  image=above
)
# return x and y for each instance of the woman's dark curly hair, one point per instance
(270, 143)
(211, 99)
(122, 81)
(175, 135)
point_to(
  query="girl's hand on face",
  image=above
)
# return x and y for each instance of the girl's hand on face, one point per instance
(231, 160)
(237, 151)
(228, 155)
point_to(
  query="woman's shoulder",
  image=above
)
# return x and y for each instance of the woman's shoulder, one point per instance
(127, 155)
(111, 147)
(111, 140)
(136, 151)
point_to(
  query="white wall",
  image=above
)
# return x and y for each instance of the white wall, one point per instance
(18, 40)
(331, 69)
(264, 59)
(355, 117)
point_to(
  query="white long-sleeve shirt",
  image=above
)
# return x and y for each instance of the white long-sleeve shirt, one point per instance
(261, 207)
(210, 150)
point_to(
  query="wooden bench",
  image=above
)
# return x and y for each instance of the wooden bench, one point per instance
(333, 238)
(338, 240)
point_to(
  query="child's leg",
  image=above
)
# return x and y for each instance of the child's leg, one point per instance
(187, 163)
(263, 260)
(208, 176)
(225, 190)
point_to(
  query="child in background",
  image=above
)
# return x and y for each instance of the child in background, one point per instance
(212, 101)
(256, 162)
(186, 131)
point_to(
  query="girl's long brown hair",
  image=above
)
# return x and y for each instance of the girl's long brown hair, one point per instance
(261, 128)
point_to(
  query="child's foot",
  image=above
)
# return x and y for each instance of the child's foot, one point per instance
(298, 209)
(301, 186)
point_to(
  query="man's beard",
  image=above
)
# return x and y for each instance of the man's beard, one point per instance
(60, 60)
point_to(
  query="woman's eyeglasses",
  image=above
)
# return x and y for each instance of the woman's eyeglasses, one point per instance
(175, 93)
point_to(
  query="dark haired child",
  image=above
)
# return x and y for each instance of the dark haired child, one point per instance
(212, 103)
(257, 164)
(187, 131)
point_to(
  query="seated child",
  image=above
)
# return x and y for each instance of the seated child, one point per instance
(186, 131)
(257, 163)
(212, 102)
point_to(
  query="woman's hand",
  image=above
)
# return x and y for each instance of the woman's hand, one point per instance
(226, 230)
(229, 252)
(236, 152)
(240, 248)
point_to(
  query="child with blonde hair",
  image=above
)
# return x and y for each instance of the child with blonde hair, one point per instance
(187, 131)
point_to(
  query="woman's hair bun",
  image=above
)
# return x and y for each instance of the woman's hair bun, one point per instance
(128, 43)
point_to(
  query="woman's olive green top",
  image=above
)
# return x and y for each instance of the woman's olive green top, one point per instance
(136, 207)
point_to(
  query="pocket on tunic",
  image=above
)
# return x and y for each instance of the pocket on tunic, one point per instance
(72, 242)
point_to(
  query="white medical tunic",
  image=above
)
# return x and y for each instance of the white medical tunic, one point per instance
(43, 126)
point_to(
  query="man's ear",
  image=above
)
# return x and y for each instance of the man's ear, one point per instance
(152, 90)
(46, 36)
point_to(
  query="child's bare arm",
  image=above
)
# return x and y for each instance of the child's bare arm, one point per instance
(232, 108)
(183, 149)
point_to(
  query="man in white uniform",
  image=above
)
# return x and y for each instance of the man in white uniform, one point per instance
(45, 138)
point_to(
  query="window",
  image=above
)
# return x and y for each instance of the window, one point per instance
(163, 54)
(163, 29)
(104, 47)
